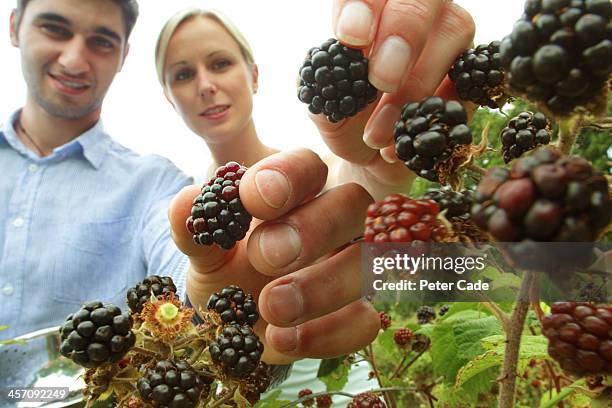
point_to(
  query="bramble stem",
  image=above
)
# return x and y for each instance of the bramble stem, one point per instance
(568, 131)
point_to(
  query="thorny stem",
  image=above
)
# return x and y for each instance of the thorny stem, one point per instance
(513, 342)
(369, 352)
(399, 365)
(411, 362)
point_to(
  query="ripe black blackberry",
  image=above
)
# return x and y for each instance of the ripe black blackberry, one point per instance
(425, 314)
(237, 350)
(334, 81)
(429, 133)
(173, 383)
(443, 310)
(523, 133)
(456, 203)
(366, 400)
(233, 306)
(559, 52)
(141, 293)
(96, 334)
(478, 76)
(256, 383)
(217, 215)
(580, 337)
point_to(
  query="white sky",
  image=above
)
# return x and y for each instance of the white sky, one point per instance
(279, 31)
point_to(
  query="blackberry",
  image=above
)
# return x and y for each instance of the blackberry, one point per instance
(334, 81)
(560, 52)
(478, 76)
(443, 310)
(309, 402)
(580, 337)
(403, 336)
(545, 197)
(429, 134)
(256, 383)
(385, 320)
(523, 133)
(400, 219)
(456, 203)
(324, 401)
(217, 216)
(141, 293)
(237, 350)
(96, 334)
(425, 314)
(366, 400)
(233, 306)
(173, 383)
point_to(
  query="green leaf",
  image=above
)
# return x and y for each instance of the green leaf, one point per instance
(2, 328)
(272, 401)
(334, 373)
(456, 341)
(565, 393)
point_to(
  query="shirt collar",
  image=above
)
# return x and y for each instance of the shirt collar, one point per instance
(93, 143)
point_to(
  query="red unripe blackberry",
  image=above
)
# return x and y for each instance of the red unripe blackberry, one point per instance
(233, 306)
(523, 133)
(237, 350)
(218, 216)
(334, 81)
(400, 219)
(478, 76)
(385, 320)
(366, 400)
(429, 133)
(403, 336)
(580, 337)
(425, 314)
(173, 383)
(559, 52)
(545, 197)
(96, 334)
(141, 293)
(309, 402)
(324, 401)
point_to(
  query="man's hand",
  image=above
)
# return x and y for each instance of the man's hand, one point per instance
(411, 45)
(294, 259)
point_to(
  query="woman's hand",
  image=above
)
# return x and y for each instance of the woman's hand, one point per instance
(411, 45)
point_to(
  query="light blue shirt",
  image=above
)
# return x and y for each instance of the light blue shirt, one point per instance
(87, 222)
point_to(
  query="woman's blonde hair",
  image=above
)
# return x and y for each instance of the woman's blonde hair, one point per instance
(179, 18)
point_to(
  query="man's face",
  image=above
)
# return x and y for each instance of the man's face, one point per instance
(70, 52)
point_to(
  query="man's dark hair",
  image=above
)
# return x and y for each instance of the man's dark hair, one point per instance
(129, 9)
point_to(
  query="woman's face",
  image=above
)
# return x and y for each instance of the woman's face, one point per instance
(208, 81)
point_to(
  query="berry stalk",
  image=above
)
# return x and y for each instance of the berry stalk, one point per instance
(567, 135)
(513, 342)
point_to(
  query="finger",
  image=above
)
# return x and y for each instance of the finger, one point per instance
(314, 291)
(342, 332)
(403, 31)
(278, 183)
(355, 21)
(301, 237)
(451, 34)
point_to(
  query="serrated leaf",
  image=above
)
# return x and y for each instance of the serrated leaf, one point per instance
(334, 373)
(272, 401)
(489, 359)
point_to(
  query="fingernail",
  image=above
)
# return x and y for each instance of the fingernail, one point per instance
(379, 132)
(285, 303)
(355, 24)
(388, 155)
(284, 339)
(279, 244)
(390, 63)
(273, 187)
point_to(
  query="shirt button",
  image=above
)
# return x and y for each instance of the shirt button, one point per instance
(18, 222)
(8, 290)
(32, 168)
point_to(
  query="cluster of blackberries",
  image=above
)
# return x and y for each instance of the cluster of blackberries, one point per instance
(173, 383)
(559, 52)
(233, 306)
(478, 76)
(400, 219)
(425, 314)
(456, 203)
(545, 197)
(580, 337)
(334, 81)
(96, 334)
(523, 133)
(428, 132)
(217, 216)
(237, 350)
(140, 294)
